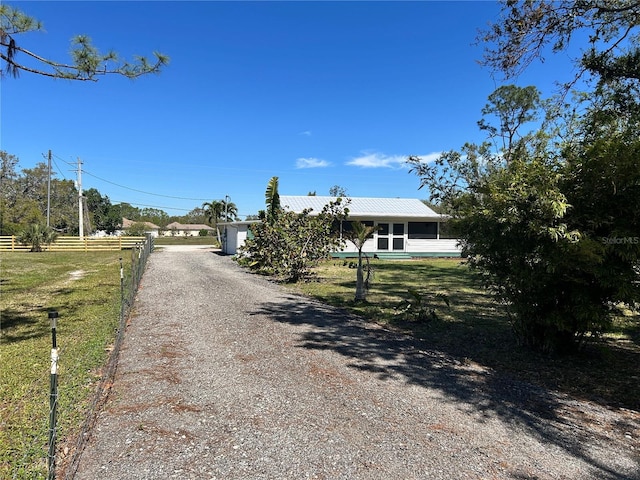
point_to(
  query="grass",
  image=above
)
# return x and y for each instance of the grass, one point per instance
(475, 328)
(85, 290)
(160, 241)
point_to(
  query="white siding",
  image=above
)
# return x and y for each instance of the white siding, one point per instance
(432, 246)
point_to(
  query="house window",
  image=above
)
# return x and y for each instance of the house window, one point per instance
(446, 231)
(398, 243)
(347, 226)
(383, 229)
(383, 243)
(423, 230)
(398, 228)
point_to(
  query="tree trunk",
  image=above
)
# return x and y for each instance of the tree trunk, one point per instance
(361, 294)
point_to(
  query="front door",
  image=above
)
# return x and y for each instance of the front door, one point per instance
(391, 237)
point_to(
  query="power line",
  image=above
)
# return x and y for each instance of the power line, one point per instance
(146, 193)
(139, 191)
(54, 162)
(151, 206)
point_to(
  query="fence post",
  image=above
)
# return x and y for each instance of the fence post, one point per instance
(121, 290)
(53, 397)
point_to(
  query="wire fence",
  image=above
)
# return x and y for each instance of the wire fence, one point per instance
(129, 283)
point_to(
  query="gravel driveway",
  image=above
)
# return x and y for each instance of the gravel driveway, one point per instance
(226, 375)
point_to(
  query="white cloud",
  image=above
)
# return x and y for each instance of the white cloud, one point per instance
(306, 133)
(377, 160)
(311, 163)
(429, 157)
(381, 160)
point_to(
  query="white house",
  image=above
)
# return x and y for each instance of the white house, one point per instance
(407, 228)
(186, 229)
(150, 228)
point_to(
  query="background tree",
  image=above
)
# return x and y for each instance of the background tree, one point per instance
(197, 215)
(154, 215)
(512, 107)
(8, 192)
(23, 199)
(104, 215)
(86, 63)
(338, 191)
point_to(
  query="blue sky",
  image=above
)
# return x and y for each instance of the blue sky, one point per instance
(316, 93)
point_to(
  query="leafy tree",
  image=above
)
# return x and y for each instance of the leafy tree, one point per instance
(513, 220)
(597, 170)
(37, 235)
(358, 235)
(288, 244)
(64, 206)
(104, 215)
(525, 30)
(197, 215)
(8, 193)
(602, 183)
(87, 62)
(128, 211)
(24, 199)
(137, 229)
(513, 107)
(154, 215)
(338, 191)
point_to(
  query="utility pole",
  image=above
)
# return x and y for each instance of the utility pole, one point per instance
(80, 209)
(49, 192)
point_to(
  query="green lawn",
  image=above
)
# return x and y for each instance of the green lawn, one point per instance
(85, 290)
(213, 241)
(476, 329)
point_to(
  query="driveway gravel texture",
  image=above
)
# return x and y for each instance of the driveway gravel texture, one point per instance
(226, 375)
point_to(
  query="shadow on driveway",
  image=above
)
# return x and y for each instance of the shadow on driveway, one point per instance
(545, 415)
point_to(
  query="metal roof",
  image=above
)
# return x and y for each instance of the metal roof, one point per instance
(363, 206)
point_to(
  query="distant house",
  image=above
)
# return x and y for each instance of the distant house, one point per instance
(407, 228)
(186, 229)
(150, 228)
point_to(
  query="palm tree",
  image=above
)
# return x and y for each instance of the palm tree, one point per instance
(213, 211)
(272, 198)
(37, 234)
(358, 236)
(229, 211)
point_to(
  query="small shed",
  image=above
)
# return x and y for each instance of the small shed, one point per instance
(407, 228)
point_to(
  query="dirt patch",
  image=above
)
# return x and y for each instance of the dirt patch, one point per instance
(77, 274)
